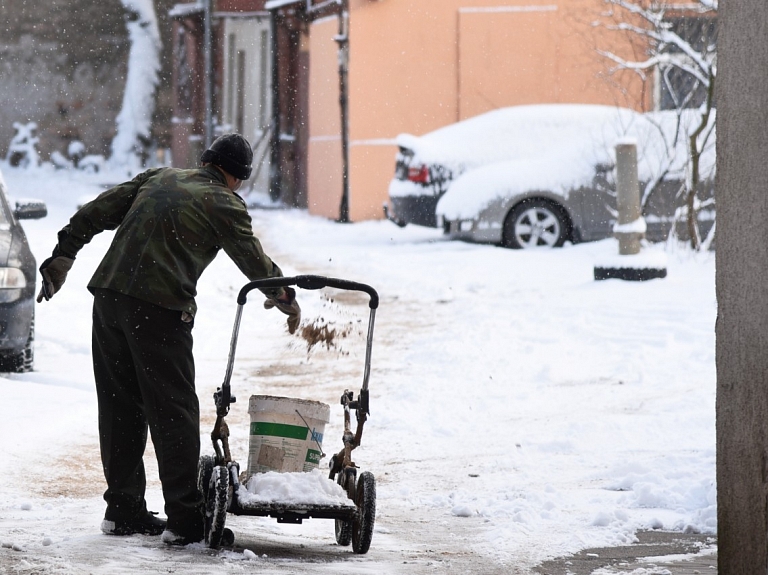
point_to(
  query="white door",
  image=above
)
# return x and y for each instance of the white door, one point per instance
(247, 89)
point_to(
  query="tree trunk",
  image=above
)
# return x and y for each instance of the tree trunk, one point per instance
(696, 148)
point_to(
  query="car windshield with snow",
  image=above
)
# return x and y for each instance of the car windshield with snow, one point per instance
(17, 284)
(541, 175)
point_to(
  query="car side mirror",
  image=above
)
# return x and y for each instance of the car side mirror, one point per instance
(30, 210)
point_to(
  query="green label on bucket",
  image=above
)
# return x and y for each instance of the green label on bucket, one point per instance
(313, 456)
(279, 430)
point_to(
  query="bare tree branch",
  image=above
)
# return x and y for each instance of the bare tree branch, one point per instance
(685, 66)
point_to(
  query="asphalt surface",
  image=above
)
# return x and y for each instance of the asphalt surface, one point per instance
(657, 552)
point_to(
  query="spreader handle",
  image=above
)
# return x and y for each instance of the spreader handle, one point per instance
(310, 283)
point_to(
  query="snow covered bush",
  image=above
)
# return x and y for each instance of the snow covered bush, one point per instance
(22, 151)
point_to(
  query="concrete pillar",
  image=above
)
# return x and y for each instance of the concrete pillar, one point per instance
(742, 288)
(630, 265)
(627, 197)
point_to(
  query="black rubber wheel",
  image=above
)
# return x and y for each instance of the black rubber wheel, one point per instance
(204, 471)
(536, 223)
(344, 527)
(21, 361)
(216, 506)
(362, 526)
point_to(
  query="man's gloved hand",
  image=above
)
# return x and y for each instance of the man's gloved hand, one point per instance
(289, 306)
(54, 271)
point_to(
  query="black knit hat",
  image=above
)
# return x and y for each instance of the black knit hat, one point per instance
(232, 153)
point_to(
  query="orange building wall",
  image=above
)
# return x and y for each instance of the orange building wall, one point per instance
(507, 57)
(324, 180)
(418, 66)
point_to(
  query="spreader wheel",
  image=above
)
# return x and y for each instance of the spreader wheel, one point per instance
(362, 525)
(216, 506)
(343, 527)
(204, 471)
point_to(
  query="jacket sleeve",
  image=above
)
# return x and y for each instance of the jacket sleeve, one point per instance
(106, 212)
(236, 238)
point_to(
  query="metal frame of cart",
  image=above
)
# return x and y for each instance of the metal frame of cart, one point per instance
(218, 477)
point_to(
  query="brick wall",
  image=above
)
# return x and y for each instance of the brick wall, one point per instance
(63, 65)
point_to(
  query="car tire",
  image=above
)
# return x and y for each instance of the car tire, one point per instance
(21, 361)
(536, 223)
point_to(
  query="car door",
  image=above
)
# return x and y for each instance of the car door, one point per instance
(598, 205)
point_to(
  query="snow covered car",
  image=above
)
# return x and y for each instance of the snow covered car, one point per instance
(18, 272)
(542, 175)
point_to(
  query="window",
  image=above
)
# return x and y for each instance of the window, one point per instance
(678, 87)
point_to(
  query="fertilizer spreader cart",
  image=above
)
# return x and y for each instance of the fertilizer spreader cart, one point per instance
(282, 479)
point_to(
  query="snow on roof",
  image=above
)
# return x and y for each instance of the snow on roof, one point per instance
(275, 4)
(180, 10)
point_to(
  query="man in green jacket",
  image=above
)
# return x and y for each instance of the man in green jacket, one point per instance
(170, 225)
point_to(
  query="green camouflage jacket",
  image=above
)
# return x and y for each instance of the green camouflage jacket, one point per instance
(170, 225)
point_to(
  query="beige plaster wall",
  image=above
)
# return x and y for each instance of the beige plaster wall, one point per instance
(418, 66)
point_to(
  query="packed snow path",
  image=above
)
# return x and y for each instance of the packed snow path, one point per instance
(519, 410)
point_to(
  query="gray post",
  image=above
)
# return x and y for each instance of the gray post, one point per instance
(742, 288)
(631, 265)
(208, 73)
(627, 198)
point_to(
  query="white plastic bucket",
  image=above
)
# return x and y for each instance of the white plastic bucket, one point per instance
(286, 434)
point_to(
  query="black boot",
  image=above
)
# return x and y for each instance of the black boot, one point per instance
(172, 537)
(145, 522)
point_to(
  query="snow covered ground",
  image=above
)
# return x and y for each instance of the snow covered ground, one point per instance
(520, 410)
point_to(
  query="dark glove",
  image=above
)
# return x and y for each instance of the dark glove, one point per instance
(289, 306)
(54, 271)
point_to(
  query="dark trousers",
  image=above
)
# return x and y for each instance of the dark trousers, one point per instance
(145, 376)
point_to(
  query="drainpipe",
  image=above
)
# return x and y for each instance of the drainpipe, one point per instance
(343, 40)
(274, 140)
(208, 72)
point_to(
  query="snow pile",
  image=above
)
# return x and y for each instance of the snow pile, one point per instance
(22, 151)
(673, 490)
(310, 488)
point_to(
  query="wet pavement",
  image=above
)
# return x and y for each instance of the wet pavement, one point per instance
(656, 553)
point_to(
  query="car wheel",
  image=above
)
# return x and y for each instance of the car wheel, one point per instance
(536, 223)
(21, 361)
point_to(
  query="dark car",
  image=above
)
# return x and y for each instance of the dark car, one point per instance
(18, 272)
(541, 175)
